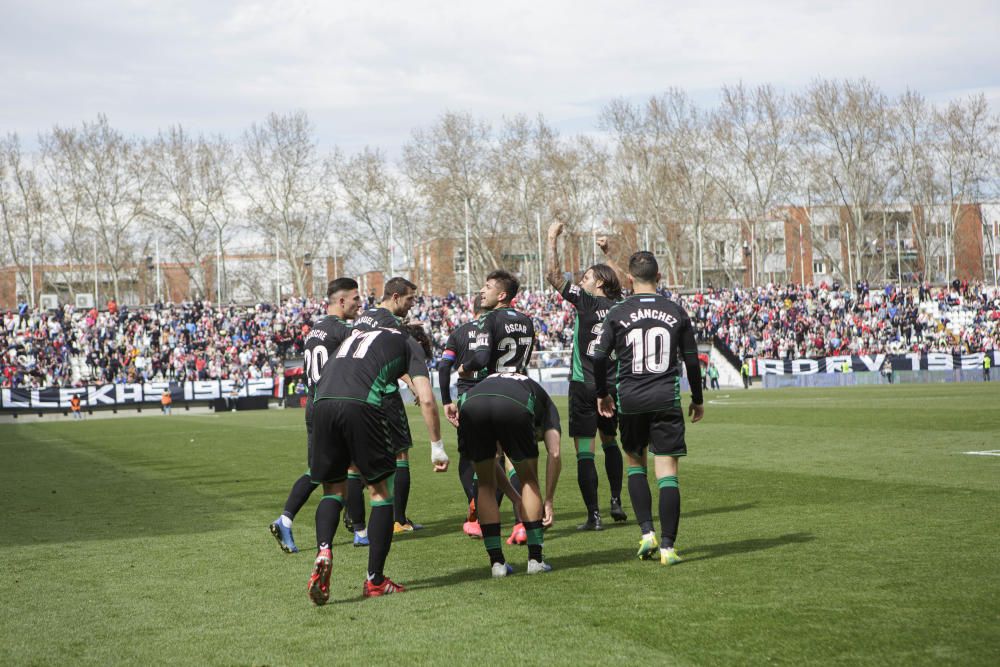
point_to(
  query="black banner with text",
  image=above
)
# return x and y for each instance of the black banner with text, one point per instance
(124, 395)
(873, 363)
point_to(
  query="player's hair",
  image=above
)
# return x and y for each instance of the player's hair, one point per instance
(642, 266)
(507, 282)
(397, 286)
(477, 304)
(340, 285)
(610, 284)
(419, 335)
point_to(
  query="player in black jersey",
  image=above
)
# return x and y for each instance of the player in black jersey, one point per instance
(506, 336)
(597, 291)
(397, 299)
(351, 424)
(456, 351)
(651, 337)
(461, 340)
(321, 343)
(504, 344)
(513, 411)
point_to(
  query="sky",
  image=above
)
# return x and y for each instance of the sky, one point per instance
(369, 73)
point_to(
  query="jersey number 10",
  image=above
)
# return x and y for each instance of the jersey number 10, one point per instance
(650, 350)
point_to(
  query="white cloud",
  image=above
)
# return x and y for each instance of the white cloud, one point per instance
(370, 72)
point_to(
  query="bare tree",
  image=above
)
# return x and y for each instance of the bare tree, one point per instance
(967, 133)
(102, 172)
(752, 133)
(641, 177)
(448, 166)
(366, 190)
(844, 132)
(289, 189)
(26, 237)
(194, 205)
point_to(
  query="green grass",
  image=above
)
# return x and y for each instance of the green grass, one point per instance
(818, 526)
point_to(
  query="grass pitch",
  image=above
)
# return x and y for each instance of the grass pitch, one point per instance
(818, 526)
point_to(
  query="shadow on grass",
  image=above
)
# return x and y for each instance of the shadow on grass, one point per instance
(722, 549)
(618, 555)
(717, 510)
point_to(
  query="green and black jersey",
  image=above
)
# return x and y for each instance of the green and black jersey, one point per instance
(378, 318)
(381, 318)
(368, 365)
(523, 391)
(590, 313)
(503, 344)
(320, 344)
(651, 336)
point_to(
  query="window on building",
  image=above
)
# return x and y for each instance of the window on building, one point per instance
(833, 232)
(819, 267)
(459, 265)
(720, 249)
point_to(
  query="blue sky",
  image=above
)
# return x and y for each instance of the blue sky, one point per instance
(368, 73)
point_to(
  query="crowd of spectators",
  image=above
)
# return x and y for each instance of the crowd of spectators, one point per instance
(782, 322)
(200, 341)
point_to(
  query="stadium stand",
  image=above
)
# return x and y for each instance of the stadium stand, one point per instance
(199, 341)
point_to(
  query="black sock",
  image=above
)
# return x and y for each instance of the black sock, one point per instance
(642, 500)
(379, 538)
(465, 472)
(491, 540)
(534, 531)
(613, 467)
(327, 518)
(298, 496)
(515, 481)
(670, 509)
(356, 502)
(586, 477)
(401, 492)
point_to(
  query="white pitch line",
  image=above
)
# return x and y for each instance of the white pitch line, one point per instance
(988, 452)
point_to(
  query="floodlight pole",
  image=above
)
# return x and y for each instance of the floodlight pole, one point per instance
(277, 271)
(95, 273)
(31, 274)
(468, 278)
(159, 298)
(899, 259)
(541, 271)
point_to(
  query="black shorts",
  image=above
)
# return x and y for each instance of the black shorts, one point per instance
(662, 432)
(399, 425)
(309, 432)
(584, 420)
(347, 431)
(486, 420)
(461, 387)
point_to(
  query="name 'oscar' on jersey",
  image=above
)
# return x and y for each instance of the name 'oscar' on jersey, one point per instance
(504, 343)
(648, 333)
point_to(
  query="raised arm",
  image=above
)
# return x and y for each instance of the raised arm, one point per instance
(605, 245)
(555, 273)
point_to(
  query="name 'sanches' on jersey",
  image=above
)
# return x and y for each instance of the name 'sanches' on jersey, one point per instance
(522, 390)
(648, 333)
(503, 344)
(590, 313)
(368, 365)
(320, 344)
